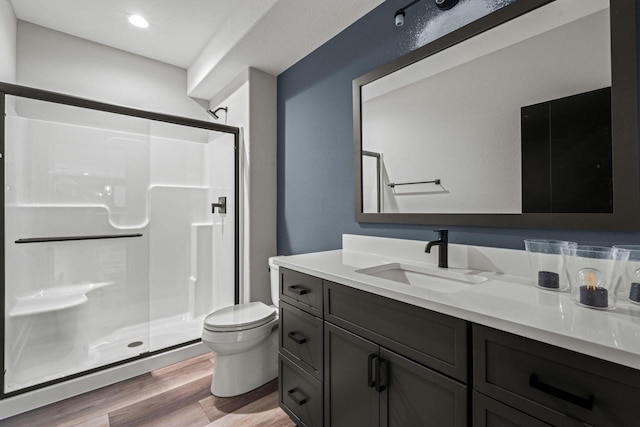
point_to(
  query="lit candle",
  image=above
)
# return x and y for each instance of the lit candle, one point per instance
(590, 293)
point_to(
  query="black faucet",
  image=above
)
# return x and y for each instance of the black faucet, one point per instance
(443, 246)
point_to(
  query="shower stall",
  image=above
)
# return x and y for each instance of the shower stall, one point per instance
(120, 233)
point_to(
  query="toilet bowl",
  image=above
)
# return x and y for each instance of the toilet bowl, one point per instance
(244, 339)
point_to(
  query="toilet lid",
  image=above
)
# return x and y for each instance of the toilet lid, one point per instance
(242, 316)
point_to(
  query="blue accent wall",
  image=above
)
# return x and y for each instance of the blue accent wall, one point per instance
(315, 139)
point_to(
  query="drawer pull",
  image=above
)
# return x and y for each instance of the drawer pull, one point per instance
(370, 382)
(298, 290)
(378, 364)
(561, 394)
(297, 396)
(298, 338)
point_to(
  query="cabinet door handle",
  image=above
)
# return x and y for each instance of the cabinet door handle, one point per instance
(297, 337)
(561, 394)
(298, 290)
(297, 396)
(370, 382)
(379, 364)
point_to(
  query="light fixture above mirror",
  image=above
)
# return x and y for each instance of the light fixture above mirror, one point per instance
(441, 4)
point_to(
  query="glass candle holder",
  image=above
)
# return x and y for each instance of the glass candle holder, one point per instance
(594, 272)
(629, 282)
(547, 263)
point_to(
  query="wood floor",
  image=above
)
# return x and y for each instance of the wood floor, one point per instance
(175, 396)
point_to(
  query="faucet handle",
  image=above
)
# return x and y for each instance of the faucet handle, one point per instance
(442, 232)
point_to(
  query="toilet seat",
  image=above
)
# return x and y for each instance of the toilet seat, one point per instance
(239, 317)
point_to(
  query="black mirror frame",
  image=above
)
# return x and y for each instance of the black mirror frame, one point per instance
(624, 111)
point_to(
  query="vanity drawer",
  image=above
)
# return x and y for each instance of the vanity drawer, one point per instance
(300, 394)
(432, 339)
(554, 384)
(301, 290)
(491, 413)
(301, 338)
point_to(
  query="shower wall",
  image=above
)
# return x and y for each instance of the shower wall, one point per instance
(75, 305)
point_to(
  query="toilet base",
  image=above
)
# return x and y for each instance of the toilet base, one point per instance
(239, 373)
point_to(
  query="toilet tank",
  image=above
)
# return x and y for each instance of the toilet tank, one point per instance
(275, 282)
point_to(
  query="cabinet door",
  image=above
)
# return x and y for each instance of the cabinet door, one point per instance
(350, 398)
(413, 395)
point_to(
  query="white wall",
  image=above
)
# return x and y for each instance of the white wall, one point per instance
(251, 99)
(440, 127)
(8, 24)
(59, 62)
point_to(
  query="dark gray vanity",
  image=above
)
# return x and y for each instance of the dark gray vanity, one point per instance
(353, 358)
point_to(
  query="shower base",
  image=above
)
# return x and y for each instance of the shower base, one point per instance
(157, 335)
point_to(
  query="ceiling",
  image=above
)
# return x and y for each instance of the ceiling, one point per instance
(215, 40)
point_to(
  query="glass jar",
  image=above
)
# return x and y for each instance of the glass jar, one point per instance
(629, 283)
(547, 263)
(594, 272)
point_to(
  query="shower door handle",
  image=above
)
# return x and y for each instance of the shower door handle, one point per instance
(221, 205)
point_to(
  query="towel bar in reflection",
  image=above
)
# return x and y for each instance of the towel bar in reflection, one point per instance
(395, 184)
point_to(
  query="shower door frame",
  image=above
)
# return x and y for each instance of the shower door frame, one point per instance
(64, 99)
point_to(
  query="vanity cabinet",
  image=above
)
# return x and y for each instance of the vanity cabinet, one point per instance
(368, 385)
(353, 358)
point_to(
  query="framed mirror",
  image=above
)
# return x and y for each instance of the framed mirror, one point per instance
(526, 117)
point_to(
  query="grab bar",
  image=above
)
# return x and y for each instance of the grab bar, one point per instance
(71, 238)
(394, 184)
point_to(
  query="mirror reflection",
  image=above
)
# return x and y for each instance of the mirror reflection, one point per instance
(514, 120)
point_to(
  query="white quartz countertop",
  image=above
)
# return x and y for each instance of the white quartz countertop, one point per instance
(505, 301)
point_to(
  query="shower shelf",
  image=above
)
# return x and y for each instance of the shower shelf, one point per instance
(55, 299)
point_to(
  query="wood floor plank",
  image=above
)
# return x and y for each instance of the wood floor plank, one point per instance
(188, 416)
(157, 407)
(217, 407)
(264, 412)
(184, 364)
(88, 406)
(101, 421)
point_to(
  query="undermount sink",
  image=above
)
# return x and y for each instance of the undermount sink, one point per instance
(437, 279)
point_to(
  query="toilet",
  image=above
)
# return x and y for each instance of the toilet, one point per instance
(244, 339)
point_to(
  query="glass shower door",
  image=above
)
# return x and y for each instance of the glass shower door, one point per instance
(111, 249)
(75, 240)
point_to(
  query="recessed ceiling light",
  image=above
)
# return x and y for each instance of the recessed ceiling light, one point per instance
(139, 21)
